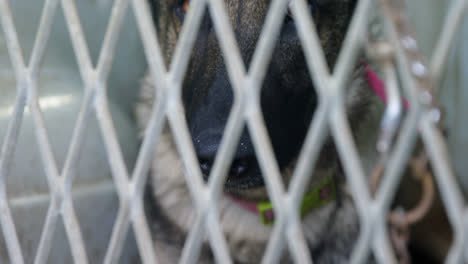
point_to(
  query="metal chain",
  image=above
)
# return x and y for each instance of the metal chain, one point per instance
(400, 220)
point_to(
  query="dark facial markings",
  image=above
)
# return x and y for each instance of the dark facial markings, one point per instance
(288, 99)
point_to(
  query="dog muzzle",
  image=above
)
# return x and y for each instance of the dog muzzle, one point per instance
(326, 190)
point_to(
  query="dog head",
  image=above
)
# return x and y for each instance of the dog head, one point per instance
(288, 98)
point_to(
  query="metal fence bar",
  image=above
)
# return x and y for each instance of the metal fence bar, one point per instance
(298, 246)
(452, 22)
(119, 233)
(78, 39)
(106, 56)
(266, 42)
(361, 250)
(46, 242)
(143, 234)
(139, 177)
(330, 116)
(352, 43)
(314, 55)
(150, 43)
(351, 164)
(194, 180)
(450, 193)
(96, 79)
(340, 128)
(112, 145)
(59, 186)
(234, 64)
(186, 39)
(43, 35)
(56, 184)
(191, 249)
(268, 166)
(465, 217)
(226, 150)
(13, 46)
(6, 157)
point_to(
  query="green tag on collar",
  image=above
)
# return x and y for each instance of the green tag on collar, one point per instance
(317, 197)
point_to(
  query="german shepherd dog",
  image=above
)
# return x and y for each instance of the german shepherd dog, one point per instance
(288, 101)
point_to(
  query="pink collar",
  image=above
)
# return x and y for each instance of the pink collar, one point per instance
(325, 192)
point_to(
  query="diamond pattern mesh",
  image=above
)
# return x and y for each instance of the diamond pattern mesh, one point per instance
(330, 117)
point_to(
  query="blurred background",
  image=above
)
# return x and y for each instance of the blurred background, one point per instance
(61, 93)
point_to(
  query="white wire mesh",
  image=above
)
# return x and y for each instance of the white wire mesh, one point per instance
(330, 115)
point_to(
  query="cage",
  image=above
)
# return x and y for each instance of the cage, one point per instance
(73, 168)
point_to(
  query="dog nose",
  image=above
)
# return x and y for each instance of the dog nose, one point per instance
(239, 167)
(205, 166)
(206, 147)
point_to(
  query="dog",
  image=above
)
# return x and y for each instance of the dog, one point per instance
(288, 101)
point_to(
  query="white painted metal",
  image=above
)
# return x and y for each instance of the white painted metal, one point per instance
(330, 117)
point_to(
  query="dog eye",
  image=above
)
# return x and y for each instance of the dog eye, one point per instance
(182, 8)
(185, 6)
